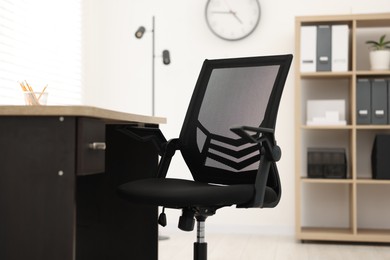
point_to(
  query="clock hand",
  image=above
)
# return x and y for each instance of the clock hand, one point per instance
(228, 12)
(221, 12)
(232, 12)
(235, 15)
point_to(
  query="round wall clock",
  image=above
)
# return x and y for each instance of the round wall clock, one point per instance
(232, 20)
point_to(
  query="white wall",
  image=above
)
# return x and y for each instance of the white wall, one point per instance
(118, 75)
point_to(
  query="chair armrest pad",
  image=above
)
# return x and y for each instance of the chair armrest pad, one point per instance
(244, 132)
(263, 136)
(146, 134)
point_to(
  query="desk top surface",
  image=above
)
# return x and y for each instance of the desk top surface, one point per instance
(110, 116)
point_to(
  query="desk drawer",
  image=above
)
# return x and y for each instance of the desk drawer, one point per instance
(91, 137)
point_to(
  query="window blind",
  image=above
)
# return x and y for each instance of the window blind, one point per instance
(40, 42)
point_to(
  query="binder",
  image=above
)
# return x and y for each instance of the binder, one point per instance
(324, 48)
(308, 48)
(340, 47)
(379, 102)
(380, 163)
(363, 102)
(388, 101)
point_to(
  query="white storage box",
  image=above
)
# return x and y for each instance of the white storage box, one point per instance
(325, 112)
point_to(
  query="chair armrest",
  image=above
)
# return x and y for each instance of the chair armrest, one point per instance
(146, 134)
(166, 149)
(263, 136)
(170, 149)
(267, 174)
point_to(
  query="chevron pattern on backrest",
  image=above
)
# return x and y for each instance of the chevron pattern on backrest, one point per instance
(229, 154)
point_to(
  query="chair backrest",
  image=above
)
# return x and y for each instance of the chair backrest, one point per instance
(230, 93)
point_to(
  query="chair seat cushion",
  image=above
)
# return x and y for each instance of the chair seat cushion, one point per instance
(178, 193)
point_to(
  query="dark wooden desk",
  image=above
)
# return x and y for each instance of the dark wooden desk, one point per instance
(57, 193)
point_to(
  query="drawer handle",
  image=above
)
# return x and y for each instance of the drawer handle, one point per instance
(97, 146)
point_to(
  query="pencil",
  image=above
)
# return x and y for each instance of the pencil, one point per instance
(43, 90)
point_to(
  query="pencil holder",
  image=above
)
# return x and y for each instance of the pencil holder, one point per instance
(35, 98)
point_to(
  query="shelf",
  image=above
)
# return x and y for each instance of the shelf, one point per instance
(325, 181)
(372, 127)
(345, 181)
(373, 235)
(373, 21)
(372, 181)
(373, 73)
(328, 127)
(344, 234)
(325, 234)
(347, 74)
(324, 205)
(326, 74)
(363, 20)
(346, 127)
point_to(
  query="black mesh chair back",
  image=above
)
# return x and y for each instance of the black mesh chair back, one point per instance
(231, 93)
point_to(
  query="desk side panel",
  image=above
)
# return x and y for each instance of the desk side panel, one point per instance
(37, 212)
(107, 226)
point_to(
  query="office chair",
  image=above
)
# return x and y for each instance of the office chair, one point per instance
(227, 141)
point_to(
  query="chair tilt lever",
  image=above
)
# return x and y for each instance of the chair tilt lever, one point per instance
(200, 246)
(186, 221)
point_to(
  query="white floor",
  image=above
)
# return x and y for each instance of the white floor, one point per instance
(256, 247)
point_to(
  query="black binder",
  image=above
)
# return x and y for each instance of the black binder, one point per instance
(379, 102)
(380, 157)
(363, 102)
(324, 48)
(388, 101)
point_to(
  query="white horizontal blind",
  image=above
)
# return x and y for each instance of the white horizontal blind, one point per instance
(40, 42)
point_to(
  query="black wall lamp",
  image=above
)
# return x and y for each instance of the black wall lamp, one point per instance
(166, 59)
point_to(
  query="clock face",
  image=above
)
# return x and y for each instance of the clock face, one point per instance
(232, 19)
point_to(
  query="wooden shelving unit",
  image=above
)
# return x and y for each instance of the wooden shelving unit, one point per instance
(354, 209)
